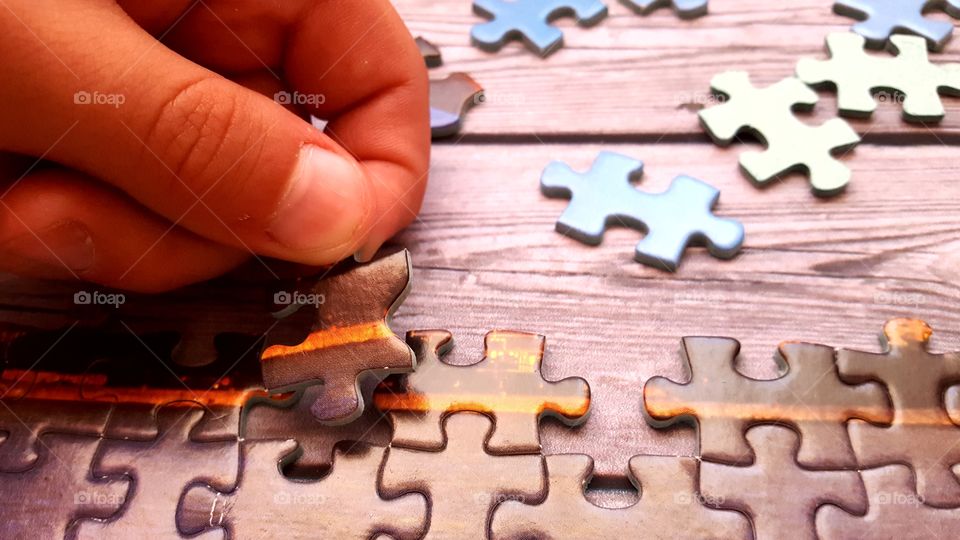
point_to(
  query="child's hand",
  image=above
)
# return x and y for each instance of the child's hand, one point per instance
(176, 160)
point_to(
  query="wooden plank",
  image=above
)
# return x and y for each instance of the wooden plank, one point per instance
(828, 271)
(635, 76)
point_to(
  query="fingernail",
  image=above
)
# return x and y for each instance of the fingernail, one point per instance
(325, 206)
(61, 250)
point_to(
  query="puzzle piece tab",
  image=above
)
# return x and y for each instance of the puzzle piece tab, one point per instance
(161, 469)
(669, 507)
(604, 196)
(855, 74)
(506, 385)
(780, 497)
(530, 20)
(895, 511)
(343, 505)
(809, 396)
(48, 500)
(351, 339)
(685, 9)
(879, 19)
(463, 484)
(791, 144)
(921, 433)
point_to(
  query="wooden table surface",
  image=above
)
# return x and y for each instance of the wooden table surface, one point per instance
(486, 255)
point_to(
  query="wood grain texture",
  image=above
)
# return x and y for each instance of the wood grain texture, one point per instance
(636, 76)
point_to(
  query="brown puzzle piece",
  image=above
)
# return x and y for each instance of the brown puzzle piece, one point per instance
(895, 512)
(273, 418)
(921, 433)
(343, 505)
(161, 469)
(351, 338)
(669, 506)
(506, 384)
(48, 500)
(809, 396)
(462, 483)
(779, 496)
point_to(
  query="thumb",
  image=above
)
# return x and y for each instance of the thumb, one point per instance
(210, 155)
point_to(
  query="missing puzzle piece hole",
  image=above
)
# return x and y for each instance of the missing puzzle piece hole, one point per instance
(611, 492)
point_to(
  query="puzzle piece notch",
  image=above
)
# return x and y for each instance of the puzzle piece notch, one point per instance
(685, 9)
(351, 339)
(791, 145)
(895, 511)
(265, 504)
(162, 468)
(916, 435)
(758, 490)
(809, 396)
(669, 507)
(462, 483)
(856, 74)
(604, 196)
(880, 19)
(530, 20)
(506, 385)
(50, 499)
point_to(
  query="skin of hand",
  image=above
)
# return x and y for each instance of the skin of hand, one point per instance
(148, 144)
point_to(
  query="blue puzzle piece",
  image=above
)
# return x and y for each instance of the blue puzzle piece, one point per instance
(530, 20)
(685, 9)
(604, 197)
(881, 18)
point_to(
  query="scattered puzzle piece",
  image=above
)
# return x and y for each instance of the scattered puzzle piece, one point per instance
(265, 504)
(761, 489)
(791, 144)
(604, 196)
(350, 339)
(879, 19)
(855, 74)
(47, 500)
(430, 52)
(685, 9)
(921, 433)
(809, 396)
(669, 507)
(895, 512)
(462, 483)
(450, 98)
(161, 469)
(530, 20)
(506, 385)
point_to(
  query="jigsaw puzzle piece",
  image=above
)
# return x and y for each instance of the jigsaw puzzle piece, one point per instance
(879, 19)
(856, 75)
(351, 339)
(952, 401)
(462, 483)
(161, 469)
(343, 505)
(685, 9)
(759, 490)
(48, 500)
(809, 396)
(895, 511)
(604, 196)
(916, 435)
(669, 507)
(430, 52)
(791, 144)
(506, 385)
(529, 19)
(450, 98)
(276, 418)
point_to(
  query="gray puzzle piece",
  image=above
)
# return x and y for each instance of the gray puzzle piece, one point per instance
(604, 196)
(685, 9)
(530, 20)
(881, 18)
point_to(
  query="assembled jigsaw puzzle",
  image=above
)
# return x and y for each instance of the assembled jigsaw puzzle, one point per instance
(604, 196)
